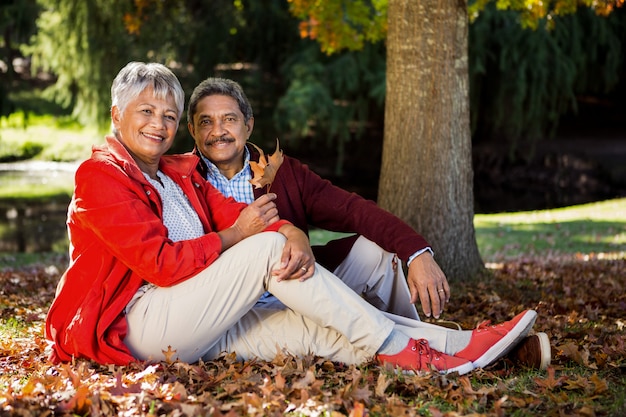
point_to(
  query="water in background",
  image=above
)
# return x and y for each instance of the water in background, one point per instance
(25, 227)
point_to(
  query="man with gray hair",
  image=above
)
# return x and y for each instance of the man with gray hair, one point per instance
(220, 119)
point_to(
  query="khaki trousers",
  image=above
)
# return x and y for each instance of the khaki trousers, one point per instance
(216, 311)
(376, 275)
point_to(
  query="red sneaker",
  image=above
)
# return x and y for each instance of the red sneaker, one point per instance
(490, 343)
(418, 356)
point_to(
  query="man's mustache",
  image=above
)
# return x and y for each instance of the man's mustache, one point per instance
(223, 139)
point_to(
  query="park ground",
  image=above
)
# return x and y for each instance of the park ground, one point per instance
(568, 264)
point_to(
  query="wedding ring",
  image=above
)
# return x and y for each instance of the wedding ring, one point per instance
(304, 269)
(442, 291)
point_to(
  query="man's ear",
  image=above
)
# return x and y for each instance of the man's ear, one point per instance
(190, 128)
(250, 126)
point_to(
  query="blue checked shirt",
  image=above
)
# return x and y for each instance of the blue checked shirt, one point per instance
(238, 187)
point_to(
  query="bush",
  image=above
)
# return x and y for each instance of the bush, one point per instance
(19, 152)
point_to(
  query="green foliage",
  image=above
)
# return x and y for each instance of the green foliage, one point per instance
(532, 14)
(196, 39)
(31, 149)
(61, 138)
(79, 41)
(24, 150)
(529, 60)
(332, 97)
(523, 80)
(17, 23)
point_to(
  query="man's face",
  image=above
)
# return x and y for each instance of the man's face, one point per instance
(219, 130)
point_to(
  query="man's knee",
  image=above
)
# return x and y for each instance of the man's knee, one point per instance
(375, 257)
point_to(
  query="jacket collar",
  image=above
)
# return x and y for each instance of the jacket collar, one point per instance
(180, 164)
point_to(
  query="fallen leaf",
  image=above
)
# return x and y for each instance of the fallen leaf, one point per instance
(121, 389)
(581, 323)
(382, 384)
(358, 410)
(265, 170)
(169, 354)
(551, 382)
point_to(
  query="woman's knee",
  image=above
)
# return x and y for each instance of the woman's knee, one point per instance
(270, 241)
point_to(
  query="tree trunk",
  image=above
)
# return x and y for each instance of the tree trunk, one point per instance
(426, 174)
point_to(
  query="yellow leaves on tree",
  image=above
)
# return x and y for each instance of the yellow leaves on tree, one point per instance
(134, 21)
(265, 170)
(341, 24)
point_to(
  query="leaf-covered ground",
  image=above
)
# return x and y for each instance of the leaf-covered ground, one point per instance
(581, 303)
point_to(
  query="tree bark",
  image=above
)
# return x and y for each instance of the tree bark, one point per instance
(426, 174)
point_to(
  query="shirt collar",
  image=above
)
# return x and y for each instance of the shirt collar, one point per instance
(214, 171)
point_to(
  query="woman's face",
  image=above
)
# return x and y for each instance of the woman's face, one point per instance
(147, 127)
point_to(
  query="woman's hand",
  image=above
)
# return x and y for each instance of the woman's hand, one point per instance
(297, 260)
(261, 213)
(253, 219)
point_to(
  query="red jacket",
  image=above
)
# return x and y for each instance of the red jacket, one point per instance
(118, 242)
(307, 200)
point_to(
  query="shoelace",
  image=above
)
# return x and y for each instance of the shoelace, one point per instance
(486, 325)
(423, 348)
(449, 324)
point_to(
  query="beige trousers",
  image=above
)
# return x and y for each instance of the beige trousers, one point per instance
(376, 275)
(215, 311)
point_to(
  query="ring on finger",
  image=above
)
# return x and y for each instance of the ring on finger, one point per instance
(442, 290)
(304, 269)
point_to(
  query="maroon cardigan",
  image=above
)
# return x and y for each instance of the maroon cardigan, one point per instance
(307, 200)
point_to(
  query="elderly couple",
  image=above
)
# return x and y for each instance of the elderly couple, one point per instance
(178, 253)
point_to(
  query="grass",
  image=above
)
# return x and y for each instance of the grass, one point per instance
(19, 260)
(39, 192)
(596, 228)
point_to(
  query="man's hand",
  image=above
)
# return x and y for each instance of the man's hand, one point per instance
(428, 281)
(297, 260)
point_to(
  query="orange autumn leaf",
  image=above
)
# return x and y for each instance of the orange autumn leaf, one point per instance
(358, 410)
(169, 354)
(551, 381)
(584, 324)
(265, 170)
